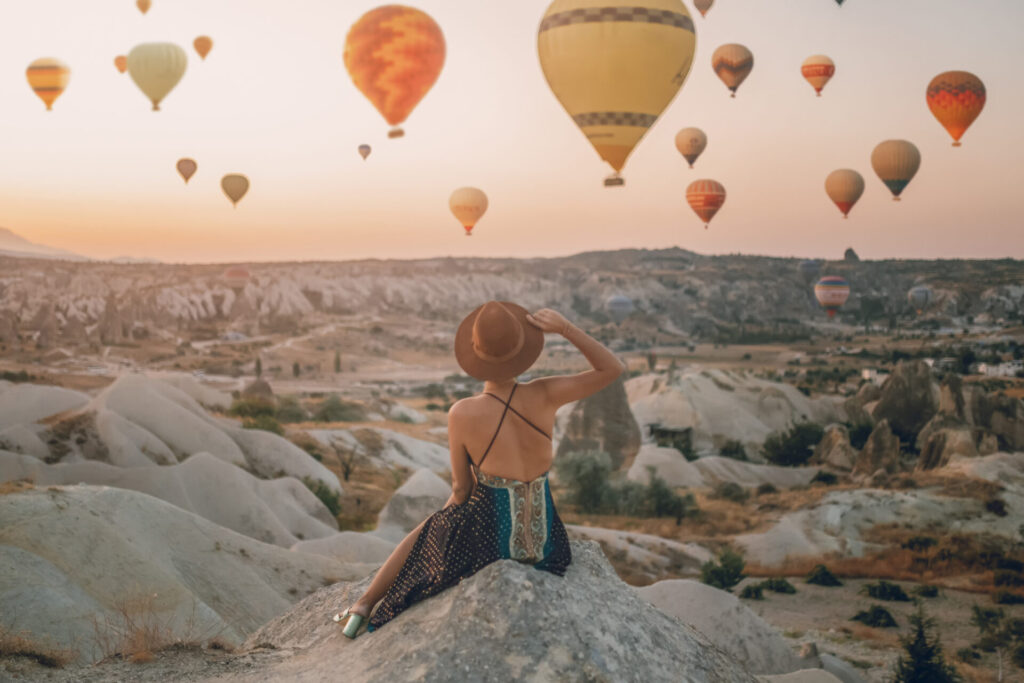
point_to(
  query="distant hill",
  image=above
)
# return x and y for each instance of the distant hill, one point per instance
(17, 246)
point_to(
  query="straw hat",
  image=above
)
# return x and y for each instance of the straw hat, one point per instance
(496, 342)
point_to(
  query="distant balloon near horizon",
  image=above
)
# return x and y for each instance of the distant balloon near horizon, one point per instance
(364, 151)
(48, 78)
(143, 5)
(809, 269)
(844, 187)
(832, 292)
(703, 6)
(732, 63)
(615, 69)
(691, 142)
(121, 63)
(920, 297)
(186, 168)
(156, 68)
(236, 277)
(896, 163)
(705, 197)
(235, 185)
(394, 55)
(468, 205)
(203, 45)
(818, 70)
(956, 98)
(619, 307)
(840, 2)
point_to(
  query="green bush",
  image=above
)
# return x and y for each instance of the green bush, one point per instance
(968, 655)
(16, 377)
(859, 434)
(752, 591)
(265, 422)
(1007, 577)
(289, 410)
(728, 490)
(322, 491)
(778, 585)
(997, 506)
(766, 488)
(586, 475)
(724, 574)
(821, 576)
(919, 544)
(926, 591)
(826, 478)
(251, 406)
(876, 617)
(334, 409)
(794, 447)
(734, 449)
(884, 590)
(1007, 598)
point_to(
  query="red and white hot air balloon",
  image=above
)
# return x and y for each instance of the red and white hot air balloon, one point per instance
(818, 70)
(705, 198)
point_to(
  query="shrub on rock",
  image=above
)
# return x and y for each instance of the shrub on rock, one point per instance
(752, 591)
(778, 585)
(724, 574)
(795, 447)
(884, 590)
(821, 576)
(876, 617)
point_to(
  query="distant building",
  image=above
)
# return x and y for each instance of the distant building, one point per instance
(1007, 369)
(874, 376)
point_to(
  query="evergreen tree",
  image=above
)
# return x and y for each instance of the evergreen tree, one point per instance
(295, 369)
(337, 361)
(923, 661)
(259, 367)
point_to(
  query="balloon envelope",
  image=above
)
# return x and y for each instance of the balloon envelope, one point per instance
(818, 70)
(705, 198)
(615, 69)
(236, 277)
(832, 292)
(121, 62)
(156, 68)
(187, 168)
(896, 162)
(364, 151)
(691, 142)
(468, 204)
(619, 307)
(919, 297)
(394, 54)
(844, 187)
(703, 6)
(956, 98)
(48, 78)
(733, 63)
(143, 5)
(235, 185)
(203, 45)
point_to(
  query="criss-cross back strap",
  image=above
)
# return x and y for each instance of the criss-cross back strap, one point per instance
(500, 422)
(521, 416)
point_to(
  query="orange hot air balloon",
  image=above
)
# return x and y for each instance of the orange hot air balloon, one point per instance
(733, 63)
(703, 6)
(394, 54)
(235, 185)
(121, 62)
(468, 204)
(48, 78)
(832, 292)
(705, 198)
(844, 187)
(203, 45)
(818, 70)
(143, 5)
(187, 168)
(956, 98)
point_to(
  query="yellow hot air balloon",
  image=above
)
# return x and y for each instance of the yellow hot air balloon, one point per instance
(364, 151)
(844, 187)
(733, 63)
(121, 62)
(468, 204)
(143, 5)
(187, 168)
(818, 70)
(615, 68)
(691, 142)
(956, 98)
(703, 6)
(394, 54)
(203, 45)
(48, 78)
(156, 68)
(705, 198)
(895, 162)
(235, 185)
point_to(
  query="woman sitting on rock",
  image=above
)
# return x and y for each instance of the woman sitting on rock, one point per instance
(501, 506)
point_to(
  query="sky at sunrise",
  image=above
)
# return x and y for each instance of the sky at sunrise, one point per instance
(273, 101)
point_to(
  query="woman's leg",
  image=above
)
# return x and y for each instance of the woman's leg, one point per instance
(386, 574)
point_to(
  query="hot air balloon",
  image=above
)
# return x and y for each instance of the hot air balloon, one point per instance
(187, 168)
(839, 2)
(156, 68)
(705, 198)
(364, 151)
(956, 98)
(832, 292)
(394, 54)
(809, 269)
(919, 297)
(818, 70)
(235, 185)
(895, 162)
(203, 45)
(619, 307)
(121, 62)
(691, 142)
(615, 69)
(844, 187)
(703, 6)
(733, 63)
(48, 78)
(236, 277)
(143, 5)
(468, 204)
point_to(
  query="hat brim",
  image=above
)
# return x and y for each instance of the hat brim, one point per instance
(474, 366)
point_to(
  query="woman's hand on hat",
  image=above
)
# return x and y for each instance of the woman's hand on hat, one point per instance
(549, 321)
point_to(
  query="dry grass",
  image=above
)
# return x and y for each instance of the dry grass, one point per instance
(138, 630)
(23, 645)
(16, 486)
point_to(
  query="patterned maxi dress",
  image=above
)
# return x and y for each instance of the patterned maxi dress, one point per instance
(503, 519)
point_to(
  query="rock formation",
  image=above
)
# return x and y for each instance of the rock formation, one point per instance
(423, 494)
(834, 450)
(909, 399)
(880, 452)
(602, 422)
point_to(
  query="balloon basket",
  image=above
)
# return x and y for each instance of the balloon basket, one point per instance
(396, 133)
(956, 143)
(896, 199)
(614, 181)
